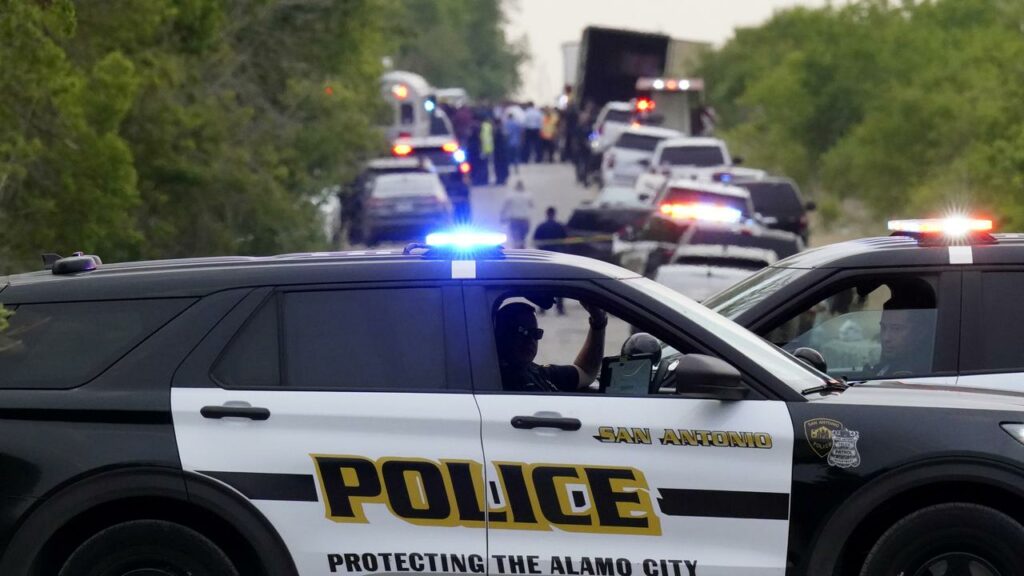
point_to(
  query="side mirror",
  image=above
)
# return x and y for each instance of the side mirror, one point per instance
(701, 376)
(644, 162)
(811, 206)
(811, 357)
(737, 160)
(644, 197)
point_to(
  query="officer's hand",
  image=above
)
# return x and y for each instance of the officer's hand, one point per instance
(598, 317)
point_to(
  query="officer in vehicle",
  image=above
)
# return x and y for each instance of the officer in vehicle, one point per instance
(907, 331)
(517, 335)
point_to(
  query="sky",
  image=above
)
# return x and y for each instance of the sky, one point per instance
(548, 23)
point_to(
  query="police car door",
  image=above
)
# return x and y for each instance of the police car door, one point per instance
(593, 484)
(344, 416)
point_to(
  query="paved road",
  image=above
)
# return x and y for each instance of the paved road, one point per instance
(550, 184)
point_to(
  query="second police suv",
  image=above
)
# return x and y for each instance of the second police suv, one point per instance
(382, 412)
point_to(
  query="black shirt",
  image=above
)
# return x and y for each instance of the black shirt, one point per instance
(549, 230)
(536, 378)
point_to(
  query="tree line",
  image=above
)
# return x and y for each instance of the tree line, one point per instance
(168, 128)
(914, 107)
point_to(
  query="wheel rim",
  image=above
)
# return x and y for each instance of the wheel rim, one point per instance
(957, 564)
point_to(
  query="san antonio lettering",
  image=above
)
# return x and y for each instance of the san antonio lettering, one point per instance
(521, 496)
(682, 437)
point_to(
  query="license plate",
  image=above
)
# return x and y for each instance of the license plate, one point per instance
(403, 207)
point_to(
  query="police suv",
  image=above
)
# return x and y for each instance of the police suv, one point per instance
(345, 413)
(938, 302)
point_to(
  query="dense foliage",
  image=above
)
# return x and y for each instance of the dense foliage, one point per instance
(165, 128)
(913, 107)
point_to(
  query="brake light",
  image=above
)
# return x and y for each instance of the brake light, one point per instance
(401, 149)
(464, 167)
(701, 211)
(450, 146)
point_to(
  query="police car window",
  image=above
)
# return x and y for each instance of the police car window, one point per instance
(618, 116)
(381, 339)
(1002, 314)
(252, 359)
(748, 293)
(868, 331)
(692, 156)
(63, 345)
(634, 141)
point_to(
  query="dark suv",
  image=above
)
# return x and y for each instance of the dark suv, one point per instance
(780, 204)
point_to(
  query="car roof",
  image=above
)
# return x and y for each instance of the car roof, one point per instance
(690, 141)
(195, 277)
(620, 106)
(426, 141)
(711, 187)
(419, 163)
(886, 251)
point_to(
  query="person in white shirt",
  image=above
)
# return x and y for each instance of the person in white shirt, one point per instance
(516, 213)
(533, 120)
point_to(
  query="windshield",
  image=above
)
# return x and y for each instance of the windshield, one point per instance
(692, 156)
(635, 141)
(787, 368)
(743, 296)
(621, 116)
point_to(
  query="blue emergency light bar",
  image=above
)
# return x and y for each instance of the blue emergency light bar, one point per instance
(465, 239)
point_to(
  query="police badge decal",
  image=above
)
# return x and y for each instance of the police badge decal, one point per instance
(832, 440)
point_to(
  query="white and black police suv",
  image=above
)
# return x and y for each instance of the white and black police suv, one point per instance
(385, 413)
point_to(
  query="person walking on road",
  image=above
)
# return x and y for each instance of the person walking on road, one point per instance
(501, 153)
(514, 138)
(550, 235)
(533, 119)
(516, 213)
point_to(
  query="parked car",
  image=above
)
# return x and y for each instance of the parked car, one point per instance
(405, 206)
(780, 204)
(631, 154)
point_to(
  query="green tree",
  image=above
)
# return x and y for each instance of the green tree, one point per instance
(459, 43)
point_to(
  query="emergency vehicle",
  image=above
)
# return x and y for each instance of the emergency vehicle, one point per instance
(954, 279)
(414, 107)
(344, 413)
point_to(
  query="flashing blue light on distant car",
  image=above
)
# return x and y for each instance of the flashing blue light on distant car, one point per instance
(465, 239)
(459, 156)
(429, 105)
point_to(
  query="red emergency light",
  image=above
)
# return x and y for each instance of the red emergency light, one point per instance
(645, 105)
(401, 149)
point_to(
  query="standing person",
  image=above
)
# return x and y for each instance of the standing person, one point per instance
(462, 123)
(516, 213)
(514, 139)
(570, 119)
(548, 134)
(532, 122)
(501, 153)
(551, 235)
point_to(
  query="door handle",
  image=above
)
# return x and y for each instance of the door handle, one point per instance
(531, 422)
(218, 412)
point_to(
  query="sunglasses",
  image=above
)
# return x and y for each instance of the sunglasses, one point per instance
(534, 333)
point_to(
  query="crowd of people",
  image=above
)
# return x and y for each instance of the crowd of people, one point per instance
(497, 139)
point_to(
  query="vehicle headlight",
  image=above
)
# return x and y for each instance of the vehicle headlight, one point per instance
(1015, 429)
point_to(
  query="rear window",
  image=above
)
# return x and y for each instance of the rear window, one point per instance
(409, 184)
(622, 116)
(436, 155)
(687, 196)
(64, 345)
(635, 141)
(775, 198)
(692, 156)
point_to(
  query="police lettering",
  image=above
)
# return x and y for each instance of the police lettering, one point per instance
(575, 498)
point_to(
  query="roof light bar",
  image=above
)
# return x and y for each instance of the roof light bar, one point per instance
(702, 211)
(952, 226)
(465, 239)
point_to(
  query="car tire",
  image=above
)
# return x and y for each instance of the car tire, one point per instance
(969, 534)
(148, 546)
